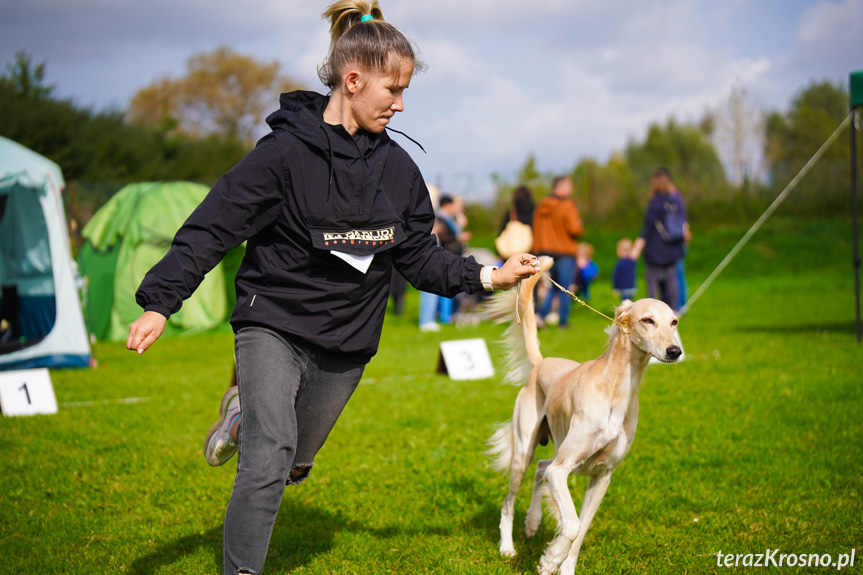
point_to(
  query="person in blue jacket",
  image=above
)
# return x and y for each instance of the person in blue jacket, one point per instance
(586, 270)
(328, 205)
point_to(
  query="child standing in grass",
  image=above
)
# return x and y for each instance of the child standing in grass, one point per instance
(328, 205)
(586, 270)
(623, 279)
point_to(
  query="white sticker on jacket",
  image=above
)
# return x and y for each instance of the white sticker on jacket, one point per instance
(360, 263)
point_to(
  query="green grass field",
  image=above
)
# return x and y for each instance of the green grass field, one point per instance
(753, 443)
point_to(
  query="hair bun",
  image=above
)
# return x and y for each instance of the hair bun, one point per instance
(343, 14)
(376, 45)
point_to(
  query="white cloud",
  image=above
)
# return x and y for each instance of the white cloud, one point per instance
(827, 45)
(560, 78)
(831, 29)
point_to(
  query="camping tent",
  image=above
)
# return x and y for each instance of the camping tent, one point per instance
(128, 236)
(41, 311)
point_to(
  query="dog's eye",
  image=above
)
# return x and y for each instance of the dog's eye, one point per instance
(647, 320)
(674, 323)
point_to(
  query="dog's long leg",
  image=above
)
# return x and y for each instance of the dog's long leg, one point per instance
(558, 492)
(525, 423)
(592, 498)
(534, 513)
(507, 512)
(580, 443)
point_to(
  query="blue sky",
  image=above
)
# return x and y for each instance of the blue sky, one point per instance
(560, 79)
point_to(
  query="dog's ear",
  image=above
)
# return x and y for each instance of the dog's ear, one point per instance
(623, 309)
(621, 314)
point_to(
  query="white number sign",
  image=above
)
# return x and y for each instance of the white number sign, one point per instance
(465, 359)
(27, 392)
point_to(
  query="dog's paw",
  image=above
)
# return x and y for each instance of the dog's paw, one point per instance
(531, 525)
(546, 566)
(507, 549)
(556, 553)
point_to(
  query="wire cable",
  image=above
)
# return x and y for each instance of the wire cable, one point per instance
(767, 213)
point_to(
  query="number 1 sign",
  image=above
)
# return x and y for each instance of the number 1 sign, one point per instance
(27, 392)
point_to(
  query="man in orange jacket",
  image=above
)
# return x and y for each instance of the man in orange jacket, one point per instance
(556, 226)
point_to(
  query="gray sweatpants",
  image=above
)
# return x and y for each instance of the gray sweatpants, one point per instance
(663, 280)
(290, 398)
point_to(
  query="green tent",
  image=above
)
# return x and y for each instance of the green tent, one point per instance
(130, 234)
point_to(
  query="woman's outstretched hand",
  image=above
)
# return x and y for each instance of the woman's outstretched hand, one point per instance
(517, 267)
(145, 330)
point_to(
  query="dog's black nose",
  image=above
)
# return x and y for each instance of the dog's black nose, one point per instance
(673, 352)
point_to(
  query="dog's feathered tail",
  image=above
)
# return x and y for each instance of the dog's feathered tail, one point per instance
(500, 447)
(523, 353)
(520, 340)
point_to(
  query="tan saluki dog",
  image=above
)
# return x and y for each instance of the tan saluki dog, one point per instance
(589, 410)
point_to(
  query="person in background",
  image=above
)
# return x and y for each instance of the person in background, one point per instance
(680, 267)
(328, 206)
(623, 278)
(660, 253)
(556, 227)
(452, 237)
(520, 209)
(516, 229)
(428, 305)
(461, 218)
(586, 271)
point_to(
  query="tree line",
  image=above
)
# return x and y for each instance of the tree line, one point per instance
(101, 151)
(729, 164)
(616, 191)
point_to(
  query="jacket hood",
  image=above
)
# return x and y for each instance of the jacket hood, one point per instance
(302, 114)
(349, 201)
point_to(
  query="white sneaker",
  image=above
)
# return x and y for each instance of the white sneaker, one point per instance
(430, 326)
(219, 447)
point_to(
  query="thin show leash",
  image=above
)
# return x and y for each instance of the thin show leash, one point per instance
(575, 298)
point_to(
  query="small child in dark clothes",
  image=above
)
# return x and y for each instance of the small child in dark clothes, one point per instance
(623, 280)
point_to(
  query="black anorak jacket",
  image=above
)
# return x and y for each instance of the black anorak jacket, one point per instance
(306, 189)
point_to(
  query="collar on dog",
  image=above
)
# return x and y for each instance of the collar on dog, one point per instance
(575, 298)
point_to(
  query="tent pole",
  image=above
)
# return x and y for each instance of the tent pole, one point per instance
(855, 220)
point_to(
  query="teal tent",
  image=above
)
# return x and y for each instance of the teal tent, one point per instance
(130, 234)
(41, 324)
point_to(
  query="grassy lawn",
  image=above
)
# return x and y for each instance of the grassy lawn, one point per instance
(753, 443)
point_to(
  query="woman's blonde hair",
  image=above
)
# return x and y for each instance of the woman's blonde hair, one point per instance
(372, 44)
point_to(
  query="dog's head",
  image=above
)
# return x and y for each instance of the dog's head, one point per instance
(652, 328)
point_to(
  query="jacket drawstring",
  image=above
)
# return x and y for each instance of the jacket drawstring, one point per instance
(408, 137)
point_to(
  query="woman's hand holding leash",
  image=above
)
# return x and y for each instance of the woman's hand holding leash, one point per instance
(145, 330)
(516, 268)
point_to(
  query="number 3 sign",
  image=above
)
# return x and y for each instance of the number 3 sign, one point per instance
(465, 359)
(27, 392)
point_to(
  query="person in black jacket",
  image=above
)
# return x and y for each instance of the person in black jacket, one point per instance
(328, 205)
(661, 246)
